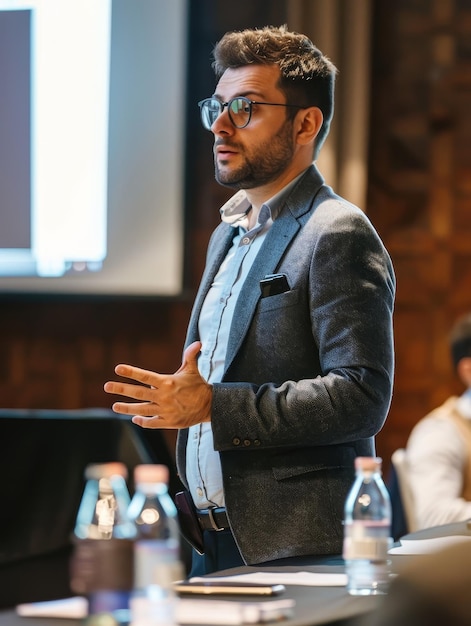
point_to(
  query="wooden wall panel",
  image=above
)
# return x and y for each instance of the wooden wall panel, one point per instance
(419, 192)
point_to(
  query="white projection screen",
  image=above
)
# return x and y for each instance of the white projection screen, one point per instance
(92, 146)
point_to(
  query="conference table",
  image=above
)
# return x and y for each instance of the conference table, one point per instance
(313, 605)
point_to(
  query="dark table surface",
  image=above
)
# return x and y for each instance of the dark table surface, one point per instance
(313, 605)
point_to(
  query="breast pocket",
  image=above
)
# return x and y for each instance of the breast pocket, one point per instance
(285, 299)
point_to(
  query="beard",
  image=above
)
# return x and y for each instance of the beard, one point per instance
(264, 163)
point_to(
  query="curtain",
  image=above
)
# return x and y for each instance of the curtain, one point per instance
(341, 29)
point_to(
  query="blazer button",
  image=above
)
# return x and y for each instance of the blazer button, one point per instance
(236, 441)
(256, 442)
(247, 442)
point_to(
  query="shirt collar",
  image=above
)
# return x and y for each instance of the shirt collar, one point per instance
(235, 210)
(464, 404)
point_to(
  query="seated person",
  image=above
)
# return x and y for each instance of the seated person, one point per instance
(439, 447)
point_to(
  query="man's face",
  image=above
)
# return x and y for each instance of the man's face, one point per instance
(250, 157)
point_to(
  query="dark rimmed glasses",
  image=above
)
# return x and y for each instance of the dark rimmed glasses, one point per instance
(239, 109)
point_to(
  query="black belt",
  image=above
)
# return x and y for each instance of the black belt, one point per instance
(212, 519)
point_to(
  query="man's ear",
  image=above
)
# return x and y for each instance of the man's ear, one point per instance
(464, 370)
(308, 124)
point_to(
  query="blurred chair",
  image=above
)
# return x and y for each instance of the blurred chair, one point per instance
(399, 464)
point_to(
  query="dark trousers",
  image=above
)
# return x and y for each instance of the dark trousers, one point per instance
(220, 552)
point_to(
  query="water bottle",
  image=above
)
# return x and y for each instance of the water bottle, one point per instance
(367, 530)
(157, 562)
(102, 560)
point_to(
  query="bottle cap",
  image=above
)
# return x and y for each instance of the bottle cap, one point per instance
(368, 463)
(151, 473)
(95, 471)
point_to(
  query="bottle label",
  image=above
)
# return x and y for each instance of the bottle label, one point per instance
(370, 549)
(366, 540)
(101, 564)
(156, 562)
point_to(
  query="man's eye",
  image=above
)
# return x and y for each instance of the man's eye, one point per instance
(239, 106)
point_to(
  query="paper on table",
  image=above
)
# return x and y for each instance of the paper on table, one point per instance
(427, 546)
(76, 607)
(311, 579)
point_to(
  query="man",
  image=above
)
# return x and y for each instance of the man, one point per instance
(438, 451)
(288, 367)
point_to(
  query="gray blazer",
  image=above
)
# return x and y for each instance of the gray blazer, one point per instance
(308, 374)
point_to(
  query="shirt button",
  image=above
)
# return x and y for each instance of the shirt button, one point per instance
(245, 240)
(199, 491)
(236, 441)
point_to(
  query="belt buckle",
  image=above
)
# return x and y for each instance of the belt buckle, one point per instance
(213, 521)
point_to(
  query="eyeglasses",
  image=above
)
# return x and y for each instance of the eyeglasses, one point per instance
(239, 109)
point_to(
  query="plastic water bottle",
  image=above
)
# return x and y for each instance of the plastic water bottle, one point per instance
(102, 561)
(157, 562)
(367, 530)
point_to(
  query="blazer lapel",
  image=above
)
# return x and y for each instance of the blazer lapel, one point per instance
(284, 229)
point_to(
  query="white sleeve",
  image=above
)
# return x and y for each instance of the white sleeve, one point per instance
(437, 460)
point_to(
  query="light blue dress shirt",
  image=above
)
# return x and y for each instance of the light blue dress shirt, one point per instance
(203, 467)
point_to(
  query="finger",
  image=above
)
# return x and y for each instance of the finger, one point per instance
(136, 373)
(154, 421)
(190, 357)
(138, 392)
(145, 409)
